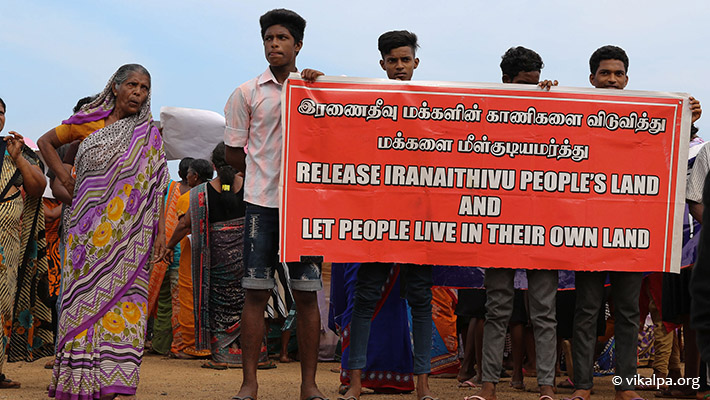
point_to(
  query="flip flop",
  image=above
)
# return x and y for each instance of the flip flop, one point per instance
(566, 384)
(545, 397)
(427, 397)
(317, 398)
(271, 365)
(474, 397)
(467, 384)
(211, 365)
(347, 398)
(575, 398)
(242, 398)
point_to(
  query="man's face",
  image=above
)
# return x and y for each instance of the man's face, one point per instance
(280, 47)
(400, 63)
(610, 74)
(524, 77)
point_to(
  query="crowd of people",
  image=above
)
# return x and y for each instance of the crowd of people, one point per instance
(120, 259)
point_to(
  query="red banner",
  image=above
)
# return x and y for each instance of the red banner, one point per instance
(487, 175)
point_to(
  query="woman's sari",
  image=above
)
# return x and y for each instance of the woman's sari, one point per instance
(171, 219)
(184, 335)
(217, 272)
(389, 350)
(121, 178)
(26, 316)
(445, 344)
(163, 281)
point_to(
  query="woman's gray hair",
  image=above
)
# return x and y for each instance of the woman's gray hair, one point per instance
(125, 71)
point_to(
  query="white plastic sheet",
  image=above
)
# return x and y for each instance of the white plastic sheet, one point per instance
(190, 132)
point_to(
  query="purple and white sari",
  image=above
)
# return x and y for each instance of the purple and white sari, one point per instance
(121, 178)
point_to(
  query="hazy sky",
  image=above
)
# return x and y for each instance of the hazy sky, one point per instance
(54, 53)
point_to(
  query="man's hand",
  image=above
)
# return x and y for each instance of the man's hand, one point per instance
(310, 75)
(695, 109)
(547, 84)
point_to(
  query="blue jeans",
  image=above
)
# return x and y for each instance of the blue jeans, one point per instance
(261, 254)
(416, 281)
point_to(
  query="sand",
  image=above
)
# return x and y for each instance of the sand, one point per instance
(163, 378)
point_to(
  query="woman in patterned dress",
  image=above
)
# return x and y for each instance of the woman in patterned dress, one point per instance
(18, 170)
(115, 221)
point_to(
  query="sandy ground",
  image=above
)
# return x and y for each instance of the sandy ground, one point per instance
(163, 378)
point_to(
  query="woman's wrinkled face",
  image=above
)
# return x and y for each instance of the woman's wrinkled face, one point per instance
(132, 93)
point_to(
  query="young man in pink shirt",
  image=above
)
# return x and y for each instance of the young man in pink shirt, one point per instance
(253, 119)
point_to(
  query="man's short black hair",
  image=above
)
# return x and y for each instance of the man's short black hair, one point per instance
(295, 24)
(520, 59)
(184, 166)
(608, 52)
(203, 169)
(394, 39)
(3, 105)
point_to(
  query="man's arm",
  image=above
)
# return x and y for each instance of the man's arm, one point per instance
(696, 210)
(236, 157)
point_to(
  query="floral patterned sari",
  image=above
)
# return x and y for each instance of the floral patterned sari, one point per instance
(120, 184)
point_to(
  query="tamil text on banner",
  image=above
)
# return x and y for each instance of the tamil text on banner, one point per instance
(487, 175)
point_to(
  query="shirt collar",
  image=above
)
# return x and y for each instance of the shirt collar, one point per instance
(268, 76)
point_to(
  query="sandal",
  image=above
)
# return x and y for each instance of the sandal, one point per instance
(266, 365)
(211, 365)
(468, 384)
(7, 383)
(181, 355)
(566, 384)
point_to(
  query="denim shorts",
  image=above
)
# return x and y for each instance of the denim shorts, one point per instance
(261, 254)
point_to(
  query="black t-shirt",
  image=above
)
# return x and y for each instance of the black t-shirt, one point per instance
(226, 205)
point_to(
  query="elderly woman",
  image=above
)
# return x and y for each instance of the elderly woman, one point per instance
(20, 220)
(114, 222)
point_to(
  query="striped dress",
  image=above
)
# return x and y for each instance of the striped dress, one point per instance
(121, 180)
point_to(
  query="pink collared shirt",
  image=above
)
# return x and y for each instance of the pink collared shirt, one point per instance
(253, 118)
